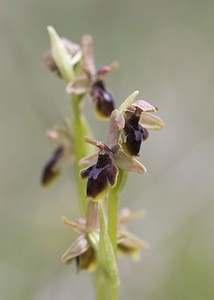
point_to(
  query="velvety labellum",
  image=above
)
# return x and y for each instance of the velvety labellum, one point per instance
(134, 135)
(100, 176)
(102, 99)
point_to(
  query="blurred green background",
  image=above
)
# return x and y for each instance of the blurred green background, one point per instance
(165, 49)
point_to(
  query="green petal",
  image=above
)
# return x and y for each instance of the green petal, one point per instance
(129, 101)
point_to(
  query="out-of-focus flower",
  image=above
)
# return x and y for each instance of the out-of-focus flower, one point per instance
(63, 155)
(92, 81)
(102, 174)
(128, 243)
(83, 251)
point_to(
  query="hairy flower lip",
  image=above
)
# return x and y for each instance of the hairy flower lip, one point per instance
(101, 179)
(101, 176)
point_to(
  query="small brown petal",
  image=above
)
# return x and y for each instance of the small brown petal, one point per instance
(88, 55)
(116, 124)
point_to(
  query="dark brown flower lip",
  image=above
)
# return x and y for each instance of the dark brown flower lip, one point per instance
(134, 134)
(102, 99)
(50, 170)
(100, 176)
(63, 155)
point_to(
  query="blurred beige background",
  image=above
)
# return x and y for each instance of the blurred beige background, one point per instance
(165, 49)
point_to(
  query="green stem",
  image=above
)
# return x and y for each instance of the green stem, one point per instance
(113, 205)
(112, 217)
(107, 258)
(81, 149)
(100, 284)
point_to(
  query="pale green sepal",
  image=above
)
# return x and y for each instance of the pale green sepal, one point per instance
(79, 246)
(129, 101)
(60, 55)
(151, 122)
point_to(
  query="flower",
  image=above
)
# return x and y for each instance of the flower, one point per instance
(128, 243)
(62, 155)
(100, 175)
(103, 170)
(83, 249)
(92, 81)
(137, 120)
